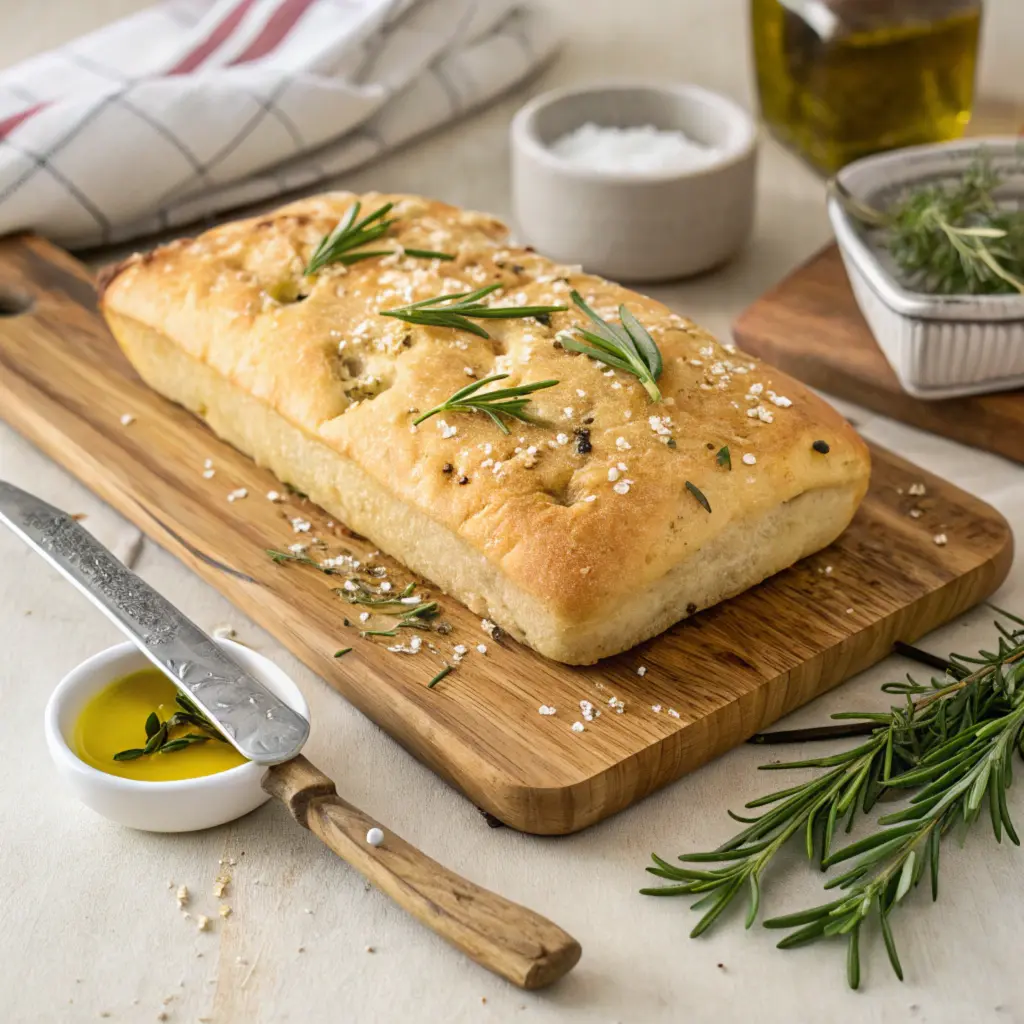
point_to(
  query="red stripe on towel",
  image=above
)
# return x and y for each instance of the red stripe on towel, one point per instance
(276, 30)
(10, 123)
(220, 35)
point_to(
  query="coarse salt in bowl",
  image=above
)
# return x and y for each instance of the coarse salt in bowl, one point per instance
(632, 150)
(637, 182)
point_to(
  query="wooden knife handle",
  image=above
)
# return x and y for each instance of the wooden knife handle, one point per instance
(527, 949)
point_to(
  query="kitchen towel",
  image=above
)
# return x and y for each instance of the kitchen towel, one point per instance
(194, 107)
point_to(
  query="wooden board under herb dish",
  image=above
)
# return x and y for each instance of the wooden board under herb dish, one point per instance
(811, 326)
(709, 683)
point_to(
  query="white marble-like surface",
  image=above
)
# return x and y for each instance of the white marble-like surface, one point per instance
(88, 926)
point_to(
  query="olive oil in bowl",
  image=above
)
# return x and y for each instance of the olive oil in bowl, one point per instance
(841, 79)
(114, 721)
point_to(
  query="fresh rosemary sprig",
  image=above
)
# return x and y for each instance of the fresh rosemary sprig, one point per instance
(952, 239)
(158, 739)
(953, 745)
(337, 246)
(626, 346)
(510, 402)
(456, 310)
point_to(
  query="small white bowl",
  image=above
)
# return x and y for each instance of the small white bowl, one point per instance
(179, 806)
(635, 226)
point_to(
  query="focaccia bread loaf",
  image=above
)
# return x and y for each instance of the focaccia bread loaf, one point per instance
(578, 534)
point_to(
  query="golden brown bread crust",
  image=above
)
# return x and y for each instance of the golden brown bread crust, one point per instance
(537, 506)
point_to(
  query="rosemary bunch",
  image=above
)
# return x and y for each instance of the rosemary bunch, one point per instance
(952, 239)
(626, 346)
(510, 402)
(951, 743)
(456, 310)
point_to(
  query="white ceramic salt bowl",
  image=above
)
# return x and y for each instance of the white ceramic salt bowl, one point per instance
(180, 806)
(635, 225)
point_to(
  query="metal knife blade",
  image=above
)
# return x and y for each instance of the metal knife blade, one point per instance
(254, 720)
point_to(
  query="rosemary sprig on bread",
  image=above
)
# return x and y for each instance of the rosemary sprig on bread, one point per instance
(510, 402)
(459, 310)
(350, 234)
(338, 245)
(626, 346)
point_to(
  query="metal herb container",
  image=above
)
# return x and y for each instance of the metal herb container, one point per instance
(940, 346)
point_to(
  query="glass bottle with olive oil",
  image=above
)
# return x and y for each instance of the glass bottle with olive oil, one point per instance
(839, 79)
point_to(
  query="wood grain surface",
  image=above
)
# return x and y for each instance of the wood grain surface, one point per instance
(498, 934)
(811, 326)
(717, 679)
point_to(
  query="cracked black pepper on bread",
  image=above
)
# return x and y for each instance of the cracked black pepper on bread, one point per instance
(581, 533)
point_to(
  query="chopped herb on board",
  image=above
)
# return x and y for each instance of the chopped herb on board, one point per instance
(723, 458)
(440, 675)
(288, 556)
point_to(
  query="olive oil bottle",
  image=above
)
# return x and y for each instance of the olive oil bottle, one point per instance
(839, 79)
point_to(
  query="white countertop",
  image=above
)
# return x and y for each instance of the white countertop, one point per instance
(89, 929)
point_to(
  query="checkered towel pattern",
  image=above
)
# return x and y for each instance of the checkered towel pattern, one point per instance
(194, 107)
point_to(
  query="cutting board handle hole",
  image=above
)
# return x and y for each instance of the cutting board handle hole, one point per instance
(13, 302)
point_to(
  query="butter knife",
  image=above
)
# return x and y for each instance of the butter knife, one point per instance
(255, 721)
(509, 939)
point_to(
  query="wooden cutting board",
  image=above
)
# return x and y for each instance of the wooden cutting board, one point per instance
(718, 679)
(811, 326)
